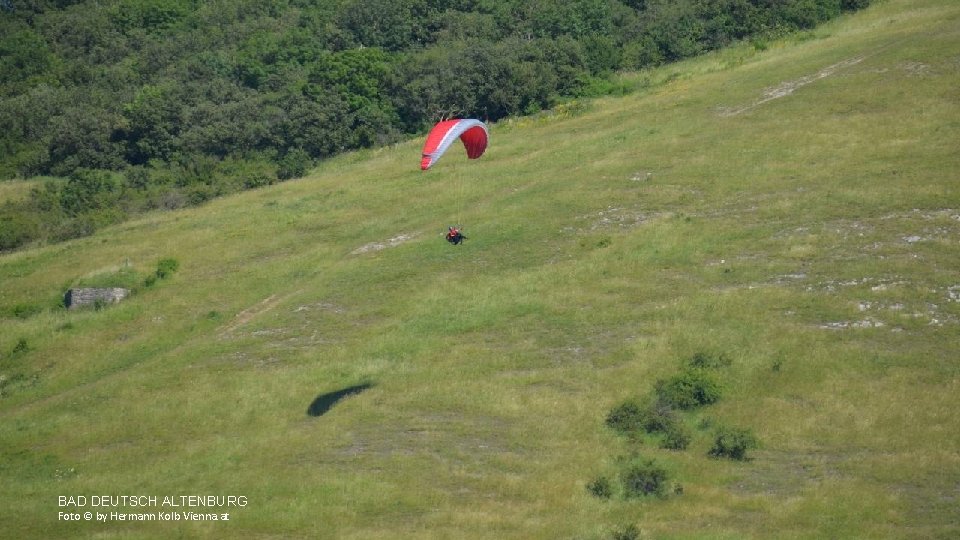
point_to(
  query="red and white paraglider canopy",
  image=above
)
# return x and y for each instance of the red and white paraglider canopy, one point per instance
(472, 132)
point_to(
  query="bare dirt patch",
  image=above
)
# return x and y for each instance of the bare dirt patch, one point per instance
(443, 436)
(790, 473)
(389, 243)
(612, 217)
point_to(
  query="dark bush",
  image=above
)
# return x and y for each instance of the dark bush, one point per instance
(257, 180)
(633, 417)
(601, 487)
(294, 164)
(733, 443)
(20, 348)
(630, 532)
(659, 418)
(643, 478)
(166, 268)
(88, 190)
(199, 194)
(690, 389)
(627, 417)
(851, 5)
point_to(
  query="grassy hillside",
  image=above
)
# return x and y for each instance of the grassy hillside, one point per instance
(789, 206)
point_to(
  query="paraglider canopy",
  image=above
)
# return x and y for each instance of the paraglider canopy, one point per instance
(472, 132)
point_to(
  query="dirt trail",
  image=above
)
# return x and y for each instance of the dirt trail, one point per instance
(786, 88)
(255, 311)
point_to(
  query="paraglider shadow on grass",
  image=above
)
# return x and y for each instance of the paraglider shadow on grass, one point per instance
(324, 402)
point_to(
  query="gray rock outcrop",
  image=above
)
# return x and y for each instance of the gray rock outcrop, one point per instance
(91, 296)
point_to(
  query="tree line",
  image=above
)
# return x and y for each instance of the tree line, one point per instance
(130, 105)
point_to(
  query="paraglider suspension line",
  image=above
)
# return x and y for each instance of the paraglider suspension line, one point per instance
(460, 203)
(461, 190)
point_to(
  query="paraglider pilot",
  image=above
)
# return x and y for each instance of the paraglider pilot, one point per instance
(454, 236)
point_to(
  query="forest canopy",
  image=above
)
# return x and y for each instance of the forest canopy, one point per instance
(129, 105)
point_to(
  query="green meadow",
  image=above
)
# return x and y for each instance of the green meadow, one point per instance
(791, 206)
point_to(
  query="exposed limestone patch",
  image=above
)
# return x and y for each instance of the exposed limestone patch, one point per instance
(377, 246)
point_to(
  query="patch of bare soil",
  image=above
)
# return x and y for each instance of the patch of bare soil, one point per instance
(612, 217)
(442, 436)
(389, 243)
(786, 474)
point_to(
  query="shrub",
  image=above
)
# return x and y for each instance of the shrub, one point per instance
(690, 389)
(294, 164)
(676, 437)
(627, 417)
(601, 487)
(733, 443)
(166, 268)
(630, 532)
(199, 194)
(644, 478)
(659, 418)
(25, 311)
(17, 227)
(854, 4)
(257, 180)
(631, 417)
(20, 348)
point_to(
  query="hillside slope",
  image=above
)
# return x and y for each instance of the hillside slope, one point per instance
(791, 207)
